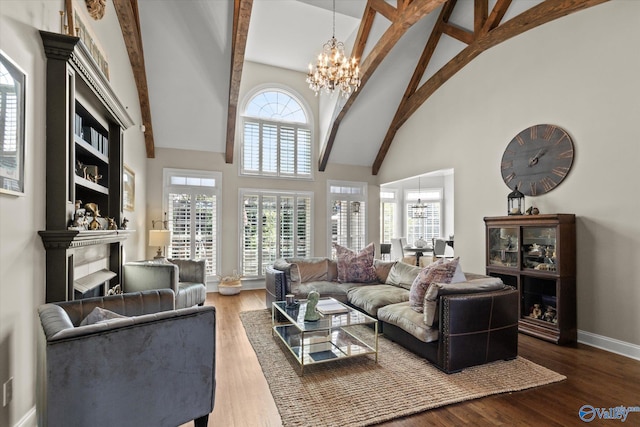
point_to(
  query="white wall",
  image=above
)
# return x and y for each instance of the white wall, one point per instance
(581, 73)
(22, 255)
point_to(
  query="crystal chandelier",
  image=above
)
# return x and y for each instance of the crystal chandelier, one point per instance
(333, 69)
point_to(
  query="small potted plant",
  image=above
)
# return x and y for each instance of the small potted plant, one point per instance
(230, 285)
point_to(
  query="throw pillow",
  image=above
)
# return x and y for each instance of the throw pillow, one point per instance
(402, 275)
(309, 271)
(382, 269)
(356, 267)
(441, 273)
(99, 315)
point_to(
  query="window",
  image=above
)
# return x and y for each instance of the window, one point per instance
(388, 215)
(425, 224)
(191, 200)
(274, 225)
(276, 139)
(348, 215)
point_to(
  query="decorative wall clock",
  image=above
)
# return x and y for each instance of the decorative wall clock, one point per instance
(537, 160)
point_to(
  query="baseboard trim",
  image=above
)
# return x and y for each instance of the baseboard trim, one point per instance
(29, 419)
(622, 348)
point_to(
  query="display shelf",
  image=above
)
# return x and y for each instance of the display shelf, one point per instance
(536, 254)
(85, 123)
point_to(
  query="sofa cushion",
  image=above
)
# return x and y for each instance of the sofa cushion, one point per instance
(100, 315)
(437, 289)
(382, 269)
(308, 271)
(441, 272)
(404, 317)
(370, 298)
(356, 266)
(335, 290)
(402, 275)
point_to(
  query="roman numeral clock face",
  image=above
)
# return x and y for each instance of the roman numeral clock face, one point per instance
(537, 160)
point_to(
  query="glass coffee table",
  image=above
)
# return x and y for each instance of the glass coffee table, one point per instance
(335, 336)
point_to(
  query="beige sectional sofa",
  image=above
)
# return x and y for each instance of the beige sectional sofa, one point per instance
(462, 324)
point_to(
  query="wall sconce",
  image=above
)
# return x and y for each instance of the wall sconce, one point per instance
(356, 207)
(515, 202)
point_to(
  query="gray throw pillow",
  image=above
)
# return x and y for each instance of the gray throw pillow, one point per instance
(99, 315)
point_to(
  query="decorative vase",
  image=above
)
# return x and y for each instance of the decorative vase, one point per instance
(420, 243)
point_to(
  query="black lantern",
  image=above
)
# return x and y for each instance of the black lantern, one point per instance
(515, 202)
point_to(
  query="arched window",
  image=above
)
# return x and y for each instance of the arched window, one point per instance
(276, 139)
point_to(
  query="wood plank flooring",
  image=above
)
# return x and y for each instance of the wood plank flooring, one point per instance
(594, 377)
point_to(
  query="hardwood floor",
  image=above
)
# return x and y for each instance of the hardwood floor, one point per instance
(594, 377)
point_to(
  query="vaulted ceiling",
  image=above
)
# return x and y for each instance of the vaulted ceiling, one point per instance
(189, 72)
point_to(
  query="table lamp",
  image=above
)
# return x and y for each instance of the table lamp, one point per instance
(161, 239)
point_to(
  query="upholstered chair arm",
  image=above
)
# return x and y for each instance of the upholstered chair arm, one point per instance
(191, 270)
(147, 275)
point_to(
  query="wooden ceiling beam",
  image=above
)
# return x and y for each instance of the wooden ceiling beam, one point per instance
(410, 14)
(128, 16)
(491, 34)
(458, 33)
(241, 18)
(384, 9)
(423, 62)
(542, 13)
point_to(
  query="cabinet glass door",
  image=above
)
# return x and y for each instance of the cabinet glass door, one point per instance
(539, 248)
(503, 246)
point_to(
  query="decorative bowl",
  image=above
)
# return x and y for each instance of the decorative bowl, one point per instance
(230, 288)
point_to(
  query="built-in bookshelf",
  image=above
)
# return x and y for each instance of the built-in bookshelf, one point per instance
(85, 123)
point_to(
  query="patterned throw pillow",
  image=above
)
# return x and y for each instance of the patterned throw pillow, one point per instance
(441, 273)
(356, 267)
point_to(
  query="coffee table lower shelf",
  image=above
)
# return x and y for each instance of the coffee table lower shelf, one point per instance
(323, 346)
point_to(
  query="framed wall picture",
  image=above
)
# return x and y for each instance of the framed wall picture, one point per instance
(128, 189)
(12, 126)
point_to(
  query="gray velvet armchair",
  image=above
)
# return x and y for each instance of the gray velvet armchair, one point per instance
(187, 279)
(154, 369)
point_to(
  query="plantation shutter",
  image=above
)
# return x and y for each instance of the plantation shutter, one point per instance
(275, 226)
(191, 203)
(348, 215)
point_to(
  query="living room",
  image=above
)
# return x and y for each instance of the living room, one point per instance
(578, 72)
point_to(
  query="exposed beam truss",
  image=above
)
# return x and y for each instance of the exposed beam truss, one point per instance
(407, 13)
(129, 18)
(241, 18)
(488, 30)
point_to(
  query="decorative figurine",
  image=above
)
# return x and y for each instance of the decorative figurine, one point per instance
(124, 223)
(550, 314)
(112, 224)
(536, 311)
(95, 224)
(311, 315)
(79, 220)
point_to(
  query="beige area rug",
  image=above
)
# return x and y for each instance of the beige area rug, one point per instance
(359, 392)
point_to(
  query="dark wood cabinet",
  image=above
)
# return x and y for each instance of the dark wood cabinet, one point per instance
(84, 136)
(537, 255)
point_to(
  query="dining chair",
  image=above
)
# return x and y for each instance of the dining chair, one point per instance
(440, 249)
(398, 254)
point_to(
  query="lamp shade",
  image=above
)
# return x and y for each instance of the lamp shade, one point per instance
(159, 238)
